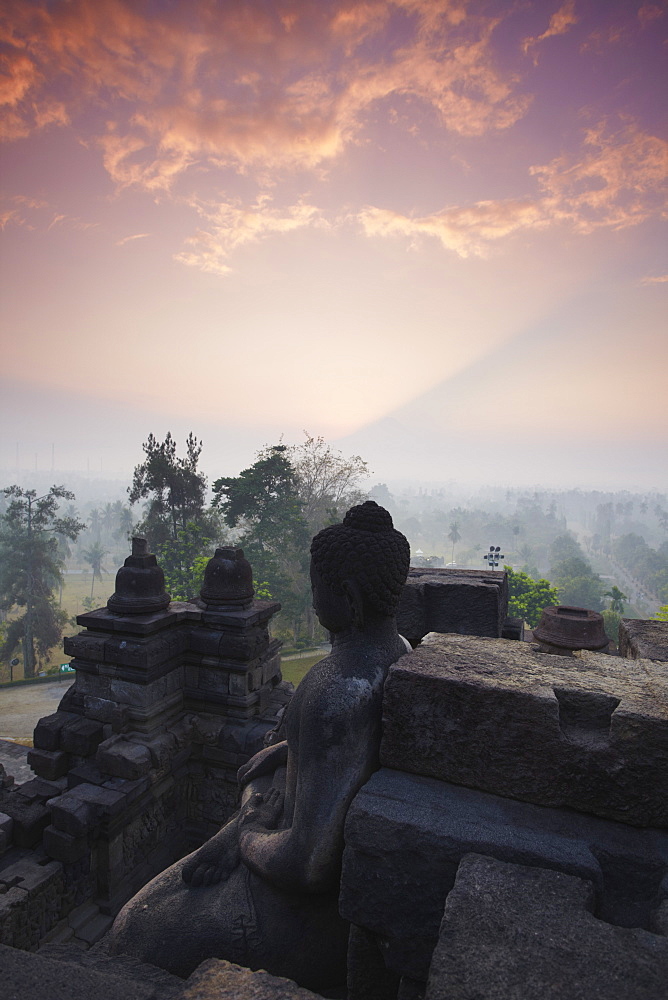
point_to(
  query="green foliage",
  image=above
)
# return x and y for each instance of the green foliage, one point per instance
(611, 620)
(527, 597)
(647, 565)
(572, 574)
(617, 599)
(184, 558)
(174, 488)
(662, 614)
(31, 568)
(263, 503)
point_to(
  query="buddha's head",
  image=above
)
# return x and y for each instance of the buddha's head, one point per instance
(358, 568)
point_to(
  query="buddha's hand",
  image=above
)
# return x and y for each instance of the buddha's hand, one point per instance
(263, 809)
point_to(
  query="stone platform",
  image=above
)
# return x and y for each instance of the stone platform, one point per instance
(588, 732)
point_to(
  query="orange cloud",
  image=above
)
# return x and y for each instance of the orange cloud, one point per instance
(467, 231)
(618, 181)
(658, 279)
(250, 86)
(560, 22)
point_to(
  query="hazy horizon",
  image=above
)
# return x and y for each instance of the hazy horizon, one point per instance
(431, 231)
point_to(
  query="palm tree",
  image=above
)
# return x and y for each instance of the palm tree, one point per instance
(94, 556)
(454, 537)
(617, 599)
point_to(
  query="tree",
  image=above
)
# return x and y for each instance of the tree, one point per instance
(31, 568)
(611, 620)
(454, 536)
(327, 482)
(572, 574)
(617, 599)
(175, 490)
(527, 598)
(94, 556)
(263, 503)
(662, 614)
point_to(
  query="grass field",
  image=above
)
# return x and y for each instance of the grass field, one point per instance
(294, 669)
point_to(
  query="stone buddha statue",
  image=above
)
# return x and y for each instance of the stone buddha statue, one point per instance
(263, 891)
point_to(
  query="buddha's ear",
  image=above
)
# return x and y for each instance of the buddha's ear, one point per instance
(353, 593)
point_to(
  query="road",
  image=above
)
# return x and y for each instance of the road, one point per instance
(21, 707)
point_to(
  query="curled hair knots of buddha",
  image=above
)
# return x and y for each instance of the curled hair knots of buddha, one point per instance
(366, 548)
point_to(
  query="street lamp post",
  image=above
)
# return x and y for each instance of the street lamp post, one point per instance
(493, 556)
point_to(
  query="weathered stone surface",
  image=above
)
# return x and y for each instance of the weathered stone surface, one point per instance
(29, 816)
(589, 732)
(6, 829)
(38, 978)
(47, 734)
(81, 737)
(49, 764)
(123, 759)
(643, 639)
(467, 602)
(510, 932)
(216, 979)
(162, 985)
(63, 846)
(405, 836)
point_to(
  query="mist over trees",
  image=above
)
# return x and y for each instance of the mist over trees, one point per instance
(606, 551)
(31, 563)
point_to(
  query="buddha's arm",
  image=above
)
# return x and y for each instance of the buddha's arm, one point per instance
(264, 762)
(336, 756)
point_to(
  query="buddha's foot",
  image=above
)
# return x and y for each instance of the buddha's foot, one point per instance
(214, 861)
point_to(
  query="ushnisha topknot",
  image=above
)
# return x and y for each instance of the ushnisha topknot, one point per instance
(366, 548)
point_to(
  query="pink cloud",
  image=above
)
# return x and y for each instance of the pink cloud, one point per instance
(232, 225)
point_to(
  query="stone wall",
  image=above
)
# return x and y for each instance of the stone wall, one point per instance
(498, 759)
(138, 765)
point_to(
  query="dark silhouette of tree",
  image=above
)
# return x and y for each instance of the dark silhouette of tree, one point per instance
(175, 490)
(454, 536)
(94, 556)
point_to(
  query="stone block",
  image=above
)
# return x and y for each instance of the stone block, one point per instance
(86, 773)
(643, 639)
(49, 764)
(31, 875)
(81, 737)
(6, 830)
(513, 628)
(106, 711)
(123, 759)
(465, 602)
(510, 932)
(48, 730)
(64, 846)
(589, 732)
(85, 646)
(217, 979)
(72, 815)
(30, 819)
(405, 836)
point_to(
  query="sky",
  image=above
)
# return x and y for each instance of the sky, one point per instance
(432, 231)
